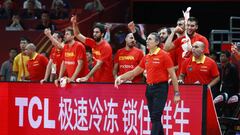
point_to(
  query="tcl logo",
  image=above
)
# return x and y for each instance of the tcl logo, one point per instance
(23, 102)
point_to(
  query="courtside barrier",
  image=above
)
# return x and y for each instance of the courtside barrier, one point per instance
(90, 109)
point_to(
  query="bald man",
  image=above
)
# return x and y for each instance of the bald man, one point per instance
(36, 64)
(199, 69)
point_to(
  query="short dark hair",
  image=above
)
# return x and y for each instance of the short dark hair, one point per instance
(157, 37)
(212, 52)
(70, 30)
(193, 19)
(45, 12)
(24, 39)
(167, 28)
(100, 26)
(180, 19)
(15, 49)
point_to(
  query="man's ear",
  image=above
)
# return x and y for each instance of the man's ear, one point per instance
(196, 27)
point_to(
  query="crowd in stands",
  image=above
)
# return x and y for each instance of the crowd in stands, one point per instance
(71, 59)
(41, 13)
(34, 10)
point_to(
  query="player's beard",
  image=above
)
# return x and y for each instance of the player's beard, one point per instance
(163, 39)
(190, 33)
(131, 45)
(97, 39)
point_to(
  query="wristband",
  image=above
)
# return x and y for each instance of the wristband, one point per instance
(176, 93)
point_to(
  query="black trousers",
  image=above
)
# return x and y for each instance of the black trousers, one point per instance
(156, 95)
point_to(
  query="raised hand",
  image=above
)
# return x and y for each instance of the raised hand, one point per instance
(178, 30)
(47, 32)
(186, 14)
(108, 26)
(131, 26)
(74, 19)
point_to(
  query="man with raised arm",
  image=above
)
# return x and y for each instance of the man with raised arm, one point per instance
(55, 60)
(74, 58)
(128, 58)
(182, 45)
(102, 53)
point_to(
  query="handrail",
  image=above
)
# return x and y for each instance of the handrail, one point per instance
(226, 36)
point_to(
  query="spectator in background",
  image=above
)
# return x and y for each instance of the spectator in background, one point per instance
(235, 49)
(199, 69)
(213, 55)
(65, 4)
(229, 85)
(37, 4)
(45, 22)
(20, 62)
(95, 5)
(127, 59)
(31, 12)
(74, 59)
(54, 63)
(6, 68)
(16, 24)
(37, 63)
(107, 35)
(14, 5)
(102, 53)
(8, 9)
(215, 89)
(58, 11)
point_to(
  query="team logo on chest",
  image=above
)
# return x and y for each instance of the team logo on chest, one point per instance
(203, 68)
(35, 63)
(190, 69)
(156, 60)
